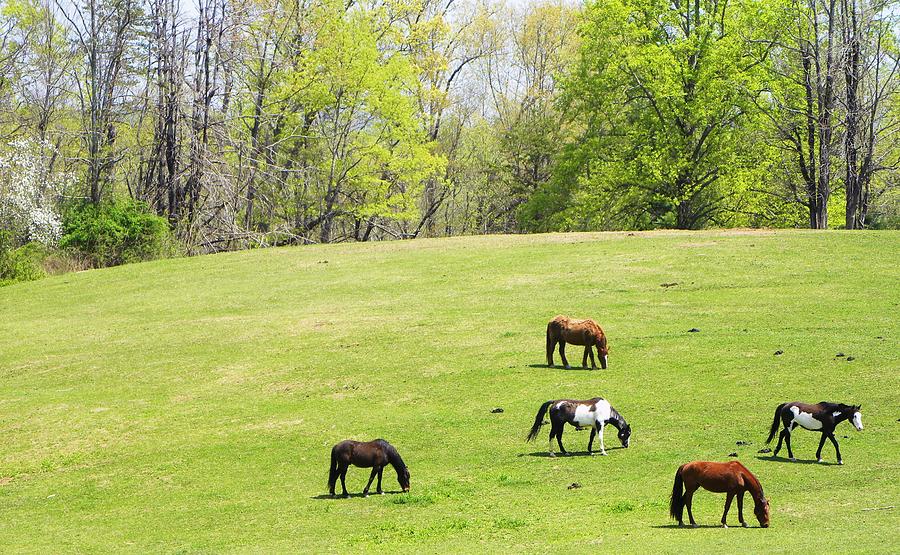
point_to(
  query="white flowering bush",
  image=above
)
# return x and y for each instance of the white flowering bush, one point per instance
(30, 193)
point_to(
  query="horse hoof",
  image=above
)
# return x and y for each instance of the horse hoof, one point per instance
(840, 462)
(745, 525)
(553, 454)
(365, 495)
(380, 493)
(695, 525)
(591, 453)
(681, 525)
(793, 459)
(567, 367)
(819, 461)
(724, 525)
(604, 453)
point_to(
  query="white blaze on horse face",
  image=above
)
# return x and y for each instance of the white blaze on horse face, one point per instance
(806, 419)
(857, 421)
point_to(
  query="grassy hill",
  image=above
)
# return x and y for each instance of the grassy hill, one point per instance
(190, 405)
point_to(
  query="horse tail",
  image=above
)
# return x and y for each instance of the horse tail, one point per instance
(549, 343)
(333, 469)
(676, 503)
(538, 421)
(775, 420)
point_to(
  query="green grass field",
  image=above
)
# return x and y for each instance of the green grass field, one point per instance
(190, 405)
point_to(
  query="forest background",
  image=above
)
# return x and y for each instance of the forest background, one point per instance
(135, 129)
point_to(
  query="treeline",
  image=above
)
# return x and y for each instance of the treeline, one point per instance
(244, 123)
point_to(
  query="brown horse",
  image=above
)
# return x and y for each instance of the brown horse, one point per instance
(731, 477)
(375, 454)
(563, 329)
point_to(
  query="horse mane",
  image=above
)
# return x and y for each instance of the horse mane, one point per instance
(835, 406)
(755, 482)
(393, 456)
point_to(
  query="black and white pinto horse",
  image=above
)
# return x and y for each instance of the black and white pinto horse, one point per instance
(821, 417)
(594, 413)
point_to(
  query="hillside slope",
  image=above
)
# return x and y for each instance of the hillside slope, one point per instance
(190, 405)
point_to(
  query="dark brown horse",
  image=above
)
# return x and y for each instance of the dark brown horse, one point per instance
(374, 454)
(731, 477)
(563, 329)
(821, 417)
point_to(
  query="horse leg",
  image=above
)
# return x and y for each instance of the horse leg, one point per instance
(819, 451)
(551, 346)
(550, 439)
(559, 433)
(371, 477)
(343, 478)
(727, 506)
(741, 509)
(591, 441)
(787, 441)
(562, 353)
(584, 357)
(837, 449)
(688, 499)
(591, 354)
(780, 439)
(380, 472)
(602, 445)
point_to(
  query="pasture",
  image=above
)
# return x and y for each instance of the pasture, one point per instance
(190, 405)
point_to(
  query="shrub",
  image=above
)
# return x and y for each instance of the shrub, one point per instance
(29, 190)
(20, 264)
(116, 233)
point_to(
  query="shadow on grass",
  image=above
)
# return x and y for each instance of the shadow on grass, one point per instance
(558, 367)
(689, 527)
(546, 455)
(352, 495)
(798, 461)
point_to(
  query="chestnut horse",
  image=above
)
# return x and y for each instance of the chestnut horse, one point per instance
(375, 454)
(563, 329)
(731, 477)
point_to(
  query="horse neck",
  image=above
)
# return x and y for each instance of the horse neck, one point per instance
(395, 460)
(754, 488)
(616, 419)
(843, 416)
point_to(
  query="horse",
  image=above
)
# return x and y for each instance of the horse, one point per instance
(731, 477)
(595, 413)
(562, 330)
(822, 417)
(375, 454)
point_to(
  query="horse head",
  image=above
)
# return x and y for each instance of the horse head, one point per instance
(856, 419)
(761, 510)
(625, 435)
(403, 479)
(602, 349)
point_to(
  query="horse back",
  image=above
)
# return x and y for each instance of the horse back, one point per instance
(717, 477)
(575, 331)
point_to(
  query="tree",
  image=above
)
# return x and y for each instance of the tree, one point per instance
(870, 83)
(661, 93)
(103, 31)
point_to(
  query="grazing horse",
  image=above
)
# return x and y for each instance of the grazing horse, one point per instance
(731, 477)
(563, 329)
(594, 413)
(374, 454)
(822, 417)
